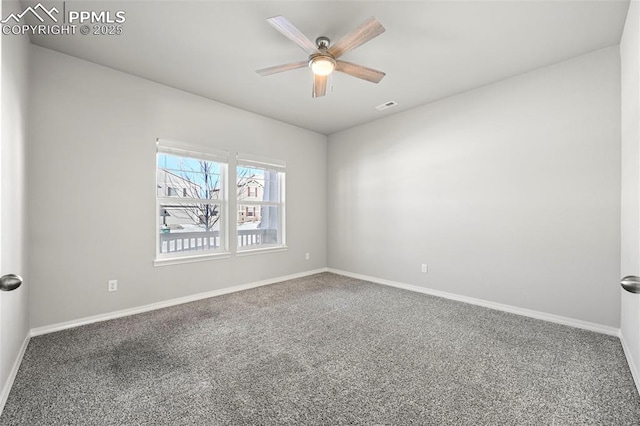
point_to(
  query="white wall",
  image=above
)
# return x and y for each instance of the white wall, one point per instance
(92, 183)
(630, 226)
(14, 310)
(510, 192)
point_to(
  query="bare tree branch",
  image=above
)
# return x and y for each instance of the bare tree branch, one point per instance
(183, 185)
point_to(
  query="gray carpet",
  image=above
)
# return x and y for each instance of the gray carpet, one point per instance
(323, 350)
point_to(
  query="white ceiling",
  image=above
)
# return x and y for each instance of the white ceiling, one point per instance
(430, 50)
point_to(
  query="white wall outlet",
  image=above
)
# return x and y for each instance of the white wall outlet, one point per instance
(113, 285)
(424, 268)
(306, 256)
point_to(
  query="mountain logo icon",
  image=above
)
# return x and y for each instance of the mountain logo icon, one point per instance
(43, 11)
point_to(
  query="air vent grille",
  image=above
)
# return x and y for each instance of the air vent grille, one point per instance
(386, 105)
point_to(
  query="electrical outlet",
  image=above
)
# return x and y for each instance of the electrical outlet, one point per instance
(424, 268)
(306, 256)
(113, 285)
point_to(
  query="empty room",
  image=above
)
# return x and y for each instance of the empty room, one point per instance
(320, 212)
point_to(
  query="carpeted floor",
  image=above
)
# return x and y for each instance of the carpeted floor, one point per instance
(324, 350)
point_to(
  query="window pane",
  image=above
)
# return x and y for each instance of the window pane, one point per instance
(255, 184)
(184, 177)
(257, 226)
(189, 227)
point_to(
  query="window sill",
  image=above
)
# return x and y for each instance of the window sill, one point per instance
(191, 259)
(251, 252)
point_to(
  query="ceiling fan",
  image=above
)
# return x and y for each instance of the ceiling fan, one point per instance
(323, 57)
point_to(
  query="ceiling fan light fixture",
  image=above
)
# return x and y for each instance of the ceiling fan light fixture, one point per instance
(322, 65)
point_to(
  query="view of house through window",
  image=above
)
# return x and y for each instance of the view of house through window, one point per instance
(191, 203)
(260, 202)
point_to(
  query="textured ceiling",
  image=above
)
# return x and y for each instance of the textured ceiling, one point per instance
(430, 50)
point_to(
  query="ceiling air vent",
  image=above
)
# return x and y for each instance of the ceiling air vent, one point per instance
(386, 105)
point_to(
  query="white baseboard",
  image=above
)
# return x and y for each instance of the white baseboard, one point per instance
(12, 374)
(164, 304)
(632, 365)
(585, 325)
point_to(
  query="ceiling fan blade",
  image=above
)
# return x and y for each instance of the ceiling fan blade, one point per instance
(283, 25)
(359, 71)
(366, 31)
(280, 68)
(319, 85)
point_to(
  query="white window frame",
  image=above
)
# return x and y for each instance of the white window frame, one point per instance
(165, 146)
(254, 161)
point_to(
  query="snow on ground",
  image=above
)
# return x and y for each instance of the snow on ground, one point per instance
(186, 227)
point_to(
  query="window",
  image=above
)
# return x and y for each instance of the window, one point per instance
(191, 219)
(261, 207)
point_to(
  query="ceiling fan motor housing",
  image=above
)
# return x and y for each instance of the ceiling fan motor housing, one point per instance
(323, 42)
